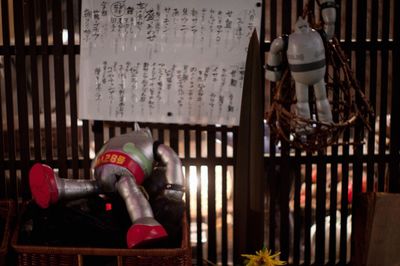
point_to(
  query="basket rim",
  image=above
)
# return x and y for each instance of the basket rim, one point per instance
(184, 249)
(7, 207)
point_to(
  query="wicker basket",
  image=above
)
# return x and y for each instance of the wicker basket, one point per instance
(85, 256)
(7, 209)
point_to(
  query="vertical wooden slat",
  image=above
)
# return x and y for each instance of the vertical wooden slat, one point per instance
(161, 134)
(346, 137)
(333, 208)
(3, 185)
(272, 192)
(338, 24)
(262, 29)
(297, 211)
(372, 93)
(360, 75)
(349, 25)
(299, 8)
(72, 88)
(34, 81)
(97, 129)
(22, 101)
(394, 183)
(60, 89)
(384, 92)
(271, 174)
(85, 127)
(262, 51)
(46, 81)
(10, 143)
(285, 182)
(123, 129)
(262, 95)
(273, 19)
(186, 141)
(174, 138)
(224, 211)
(286, 21)
(334, 173)
(344, 212)
(86, 149)
(284, 190)
(334, 165)
(212, 232)
(320, 212)
(111, 131)
(198, 201)
(235, 171)
(308, 213)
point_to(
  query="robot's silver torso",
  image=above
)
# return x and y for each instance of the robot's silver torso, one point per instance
(136, 145)
(306, 56)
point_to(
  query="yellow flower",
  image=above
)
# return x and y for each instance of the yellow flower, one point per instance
(263, 258)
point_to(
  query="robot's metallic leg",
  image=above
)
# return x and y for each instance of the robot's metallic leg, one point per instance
(322, 102)
(303, 108)
(74, 189)
(302, 105)
(47, 188)
(145, 228)
(136, 204)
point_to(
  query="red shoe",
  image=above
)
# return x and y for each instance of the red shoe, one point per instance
(142, 233)
(42, 182)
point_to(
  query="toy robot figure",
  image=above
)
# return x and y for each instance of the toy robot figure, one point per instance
(306, 57)
(120, 166)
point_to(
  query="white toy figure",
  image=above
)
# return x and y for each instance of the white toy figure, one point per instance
(306, 57)
(120, 167)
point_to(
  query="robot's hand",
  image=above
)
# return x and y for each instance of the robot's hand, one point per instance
(273, 69)
(174, 187)
(174, 192)
(273, 73)
(157, 186)
(107, 176)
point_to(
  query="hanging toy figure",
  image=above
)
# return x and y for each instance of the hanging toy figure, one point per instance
(121, 166)
(306, 57)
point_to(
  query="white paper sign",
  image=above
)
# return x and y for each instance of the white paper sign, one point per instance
(175, 61)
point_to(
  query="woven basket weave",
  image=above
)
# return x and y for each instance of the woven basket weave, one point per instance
(7, 210)
(70, 256)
